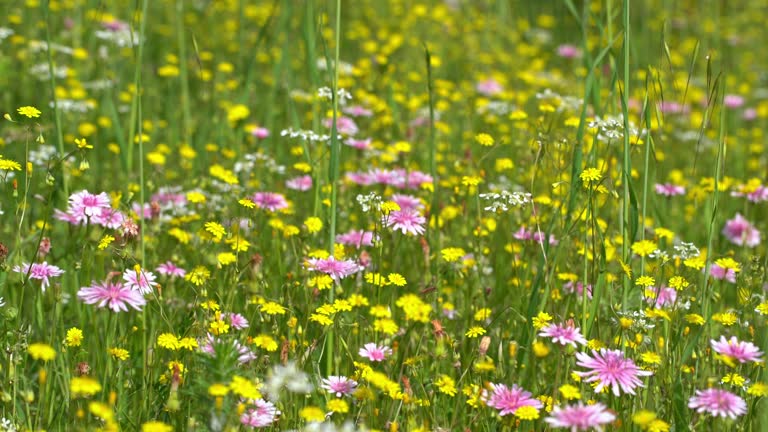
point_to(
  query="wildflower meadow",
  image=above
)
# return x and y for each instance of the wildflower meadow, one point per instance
(383, 215)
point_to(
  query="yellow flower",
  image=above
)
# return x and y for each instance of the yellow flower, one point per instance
(650, 358)
(83, 386)
(725, 318)
(216, 230)
(105, 242)
(119, 353)
(590, 175)
(156, 426)
(265, 342)
(541, 320)
(272, 308)
(527, 412)
(41, 351)
(482, 314)
(74, 337)
(695, 319)
(729, 264)
(226, 258)
(168, 341)
(471, 180)
(446, 385)
(82, 143)
(570, 392)
(540, 349)
(759, 389)
(198, 276)
(338, 406)
(237, 112)
(312, 414)
(9, 165)
(396, 279)
(645, 281)
(244, 388)
(452, 254)
(218, 327)
(678, 282)
(188, 343)
(734, 379)
(29, 111)
(484, 139)
(643, 418)
(247, 203)
(313, 224)
(644, 247)
(218, 390)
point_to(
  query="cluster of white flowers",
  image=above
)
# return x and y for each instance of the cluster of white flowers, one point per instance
(287, 377)
(41, 71)
(372, 200)
(563, 103)
(344, 67)
(38, 46)
(5, 33)
(499, 108)
(327, 93)
(658, 253)
(504, 200)
(250, 161)
(121, 38)
(70, 105)
(306, 135)
(685, 250)
(612, 128)
(7, 425)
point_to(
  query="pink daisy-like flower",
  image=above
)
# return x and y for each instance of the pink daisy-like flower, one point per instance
(374, 352)
(721, 273)
(344, 125)
(262, 416)
(360, 144)
(357, 239)
(339, 385)
(578, 288)
(357, 111)
(260, 132)
(245, 355)
(611, 369)
(489, 87)
(581, 417)
(407, 202)
(84, 205)
(142, 281)
(269, 201)
(733, 101)
(737, 350)
(568, 51)
(564, 334)
(116, 296)
(302, 183)
(718, 403)
(168, 268)
(238, 321)
(664, 296)
(109, 218)
(407, 221)
(336, 269)
(41, 271)
(741, 232)
(669, 189)
(508, 400)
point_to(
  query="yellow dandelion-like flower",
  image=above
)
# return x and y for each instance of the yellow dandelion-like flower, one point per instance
(168, 341)
(338, 406)
(198, 276)
(645, 281)
(74, 337)
(396, 279)
(591, 175)
(452, 254)
(29, 111)
(41, 351)
(313, 224)
(119, 353)
(446, 385)
(644, 247)
(570, 392)
(83, 386)
(527, 412)
(216, 230)
(484, 139)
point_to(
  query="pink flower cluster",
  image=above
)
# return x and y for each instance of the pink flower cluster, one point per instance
(85, 207)
(398, 178)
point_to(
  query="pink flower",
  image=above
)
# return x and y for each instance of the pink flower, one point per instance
(663, 296)
(142, 281)
(733, 101)
(407, 202)
(339, 385)
(733, 348)
(578, 288)
(109, 218)
(238, 321)
(375, 353)
(303, 183)
(357, 239)
(262, 416)
(669, 189)
(611, 368)
(564, 334)
(741, 232)
(720, 273)
(84, 205)
(168, 268)
(41, 271)
(337, 269)
(489, 87)
(407, 221)
(357, 111)
(508, 400)
(260, 132)
(344, 125)
(270, 201)
(580, 417)
(717, 402)
(360, 144)
(114, 295)
(568, 51)
(207, 345)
